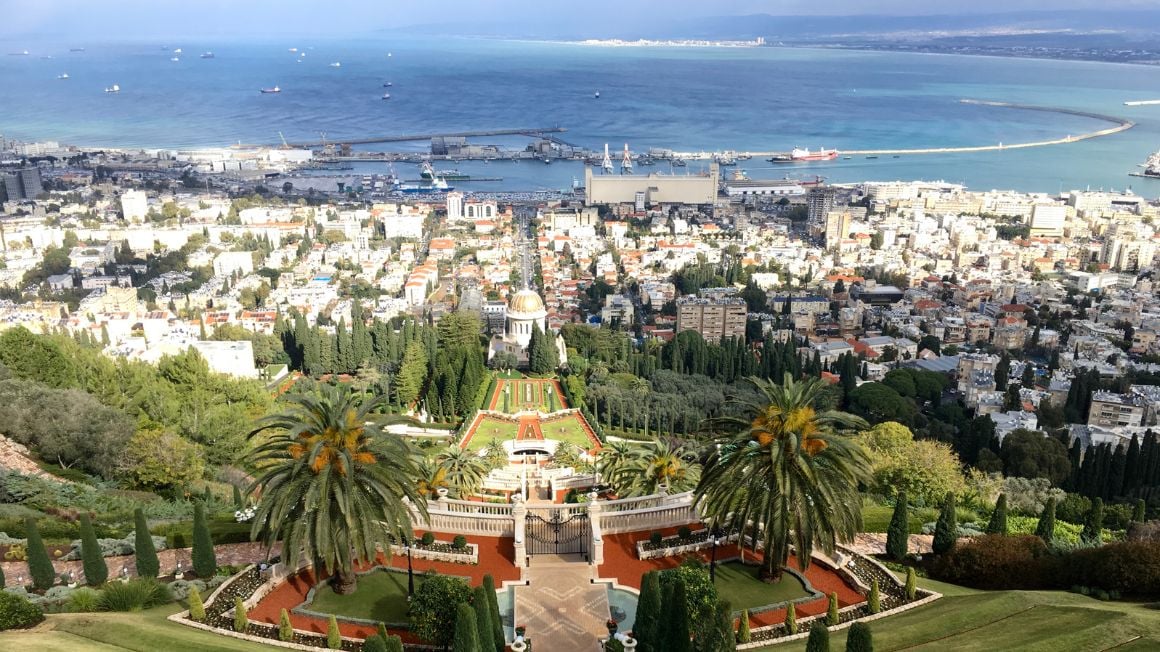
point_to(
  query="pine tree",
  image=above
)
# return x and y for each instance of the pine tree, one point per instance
(1045, 529)
(333, 635)
(39, 565)
(677, 620)
(497, 635)
(96, 570)
(196, 606)
(241, 621)
(1094, 523)
(648, 626)
(859, 639)
(1139, 512)
(998, 522)
(832, 617)
(791, 625)
(285, 629)
(204, 557)
(874, 600)
(911, 583)
(743, 633)
(466, 631)
(819, 640)
(146, 554)
(945, 531)
(898, 534)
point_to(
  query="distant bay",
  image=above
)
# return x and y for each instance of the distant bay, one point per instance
(682, 98)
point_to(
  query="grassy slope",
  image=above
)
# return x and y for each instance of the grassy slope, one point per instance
(1011, 620)
(381, 596)
(147, 631)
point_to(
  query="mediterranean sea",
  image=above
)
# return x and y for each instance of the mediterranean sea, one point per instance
(682, 98)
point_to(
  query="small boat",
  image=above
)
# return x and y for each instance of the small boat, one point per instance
(269, 91)
(389, 55)
(177, 51)
(678, 162)
(175, 58)
(22, 53)
(897, 156)
(113, 89)
(76, 49)
(293, 49)
(847, 158)
(63, 75)
(47, 56)
(336, 64)
(207, 55)
(871, 157)
(387, 84)
(546, 160)
(597, 96)
(386, 96)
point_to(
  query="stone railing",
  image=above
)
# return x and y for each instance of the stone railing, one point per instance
(652, 518)
(698, 540)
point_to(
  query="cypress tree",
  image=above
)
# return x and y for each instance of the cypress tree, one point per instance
(382, 629)
(1139, 512)
(1, 576)
(482, 618)
(1045, 529)
(945, 529)
(146, 554)
(859, 638)
(39, 565)
(998, 522)
(819, 640)
(1094, 524)
(493, 610)
(743, 633)
(240, 619)
(874, 601)
(648, 614)
(374, 643)
(791, 625)
(726, 638)
(333, 635)
(238, 503)
(466, 631)
(911, 583)
(832, 617)
(897, 535)
(204, 558)
(1132, 464)
(196, 606)
(96, 570)
(394, 644)
(677, 620)
(285, 629)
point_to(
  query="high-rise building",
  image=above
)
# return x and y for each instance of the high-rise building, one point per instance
(837, 227)
(713, 318)
(20, 184)
(454, 206)
(819, 202)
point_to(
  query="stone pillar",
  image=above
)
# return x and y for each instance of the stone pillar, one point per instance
(595, 507)
(519, 518)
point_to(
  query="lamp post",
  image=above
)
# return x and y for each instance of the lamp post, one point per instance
(410, 571)
(715, 540)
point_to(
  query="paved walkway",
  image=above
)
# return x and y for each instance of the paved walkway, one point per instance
(560, 606)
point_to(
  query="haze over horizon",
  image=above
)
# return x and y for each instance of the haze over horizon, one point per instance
(258, 19)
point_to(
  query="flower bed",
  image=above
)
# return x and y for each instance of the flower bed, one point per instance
(440, 551)
(673, 545)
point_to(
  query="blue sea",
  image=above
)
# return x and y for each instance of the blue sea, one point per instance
(687, 99)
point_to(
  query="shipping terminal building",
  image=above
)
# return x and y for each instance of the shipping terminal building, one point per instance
(652, 188)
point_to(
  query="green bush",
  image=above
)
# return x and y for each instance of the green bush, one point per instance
(459, 542)
(466, 630)
(897, 535)
(683, 533)
(395, 644)
(96, 570)
(998, 562)
(832, 618)
(428, 538)
(146, 554)
(133, 595)
(998, 522)
(285, 628)
(1093, 525)
(333, 636)
(945, 530)
(874, 600)
(859, 638)
(241, 621)
(16, 612)
(1126, 567)
(819, 640)
(791, 625)
(743, 633)
(655, 538)
(374, 643)
(84, 600)
(204, 558)
(196, 606)
(911, 583)
(39, 564)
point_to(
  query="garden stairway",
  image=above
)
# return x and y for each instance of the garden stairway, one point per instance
(560, 606)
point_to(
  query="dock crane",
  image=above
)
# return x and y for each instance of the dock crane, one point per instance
(285, 145)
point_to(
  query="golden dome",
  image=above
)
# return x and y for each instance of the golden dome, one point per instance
(526, 301)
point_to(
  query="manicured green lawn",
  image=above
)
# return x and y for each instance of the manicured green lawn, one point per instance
(876, 518)
(518, 399)
(1051, 621)
(569, 429)
(381, 595)
(738, 584)
(145, 631)
(490, 428)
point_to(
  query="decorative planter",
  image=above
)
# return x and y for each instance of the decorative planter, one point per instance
(629, 643)
(519, 646)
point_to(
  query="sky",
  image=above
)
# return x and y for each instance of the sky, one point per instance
(161, 19)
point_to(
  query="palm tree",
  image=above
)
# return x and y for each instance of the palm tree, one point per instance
(465, 470)
(613, 457)
(654, 465)
(787, 471)
(333, 486)
(430, 478)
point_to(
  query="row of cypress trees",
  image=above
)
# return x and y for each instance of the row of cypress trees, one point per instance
(478, 627)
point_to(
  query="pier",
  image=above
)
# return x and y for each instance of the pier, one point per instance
(402, 138)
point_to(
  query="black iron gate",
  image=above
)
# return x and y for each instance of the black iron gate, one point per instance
(559, 535)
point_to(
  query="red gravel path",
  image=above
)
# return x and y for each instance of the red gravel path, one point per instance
(621, 562)
(495, 557)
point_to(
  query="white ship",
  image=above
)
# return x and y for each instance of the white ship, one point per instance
(336, 64)
(113, 89)
(63, 75)
(1151, 167)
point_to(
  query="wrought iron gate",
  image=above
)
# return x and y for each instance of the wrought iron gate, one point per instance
(559, 535)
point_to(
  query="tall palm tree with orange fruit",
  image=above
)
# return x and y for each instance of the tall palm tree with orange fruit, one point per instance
(333, 486)
(788, 472)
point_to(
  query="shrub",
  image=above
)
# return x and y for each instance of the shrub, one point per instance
(1127, 567)
(374, 643)
(655, 538)
(39, 564)
(998, 522)
(944, 533)
(428, 538)
(1118, 516)
(459, 542)
(133, 595)
(394, 644)
(874, 601)
(16, 612)
(1073, 508)
(819, 640)
(1140, 511)
(84, 600)
(1045, 529)
(196, 607)
(832, 617)
(285, 629)
(648, 626)
(743, 633)
(1094, 523)
(911, 583)
(204, 558)
(238, 502)
(859, 639)
(897, 535)
(683, 533)
(997, 562)
(143, 547)
(466, 631)
(241, 621)
(333, 636)
(791, 625)
(96, 570)
(180, 589)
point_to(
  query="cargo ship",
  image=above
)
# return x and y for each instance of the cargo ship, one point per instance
(801, 155)
(438, 185)
(1151, 167)
(270, 91)
(428, 173)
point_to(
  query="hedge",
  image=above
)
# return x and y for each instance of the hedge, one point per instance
(16, 612)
